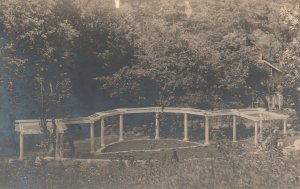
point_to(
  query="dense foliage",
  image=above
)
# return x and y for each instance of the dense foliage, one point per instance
(200, 53)
(236, 168)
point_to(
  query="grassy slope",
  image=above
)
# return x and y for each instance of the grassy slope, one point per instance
(230, 166)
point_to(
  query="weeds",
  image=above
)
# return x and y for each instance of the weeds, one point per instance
(234, 169)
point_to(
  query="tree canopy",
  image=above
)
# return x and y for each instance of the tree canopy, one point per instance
(197, 53)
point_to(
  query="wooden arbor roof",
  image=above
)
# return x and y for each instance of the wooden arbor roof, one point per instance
(34, 126)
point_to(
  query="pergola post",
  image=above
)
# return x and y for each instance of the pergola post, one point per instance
(56, 144)
(61, 153)
(284, 127)
(92, 136)
(121, 128)
(117, 4)
(260, 127)
(279, 102)
(255, 133)
(21, 146)
(234, 128)
(185, 123)
(206, 130)
(102, 133)
(58, 140)
(156, 125)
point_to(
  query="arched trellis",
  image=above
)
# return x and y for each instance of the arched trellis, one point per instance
(258, 115)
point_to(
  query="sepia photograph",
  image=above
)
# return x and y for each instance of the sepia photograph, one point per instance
(149, 94)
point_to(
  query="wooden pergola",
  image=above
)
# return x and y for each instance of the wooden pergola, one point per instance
(257, 115)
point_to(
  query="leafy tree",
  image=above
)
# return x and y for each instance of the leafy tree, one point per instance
(198, 60)
(291, 57)
(38, 44)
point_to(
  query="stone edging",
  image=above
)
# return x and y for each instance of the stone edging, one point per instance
(113, 160)
(154, 150)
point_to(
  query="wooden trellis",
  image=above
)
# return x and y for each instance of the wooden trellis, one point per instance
(258, 115)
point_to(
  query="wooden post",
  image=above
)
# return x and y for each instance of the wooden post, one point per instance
(255, 133)
(268, 100)
(206, 130)
(284, 127)
(260, 127)
(273, 101)
(234, 128)
(61, 152)
(102, 144)
(117, 4)
(185, 123)
(21, 146)
(279, 102)
(56, 144)
(121, 128)
(156, 125)
(92, 136)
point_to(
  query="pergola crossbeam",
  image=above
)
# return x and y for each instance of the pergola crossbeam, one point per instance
(274, 116)
(258, 115)
(243, 115)
(79, 120)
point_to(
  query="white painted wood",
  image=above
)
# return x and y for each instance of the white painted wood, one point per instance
(206, 130)
(117, 4)
(21, 146)
(220, 114)
(243, 115)
(33, 126)
(102, 144)
(121, 128)
(279, 102)
(255, 133)
(92, 137)
(61, 153)
(284, 126)
(260, 128)
(56, 145)
(185, 123)
(273, 115)
(234, 128)
(95, 117)
(79, 120)
(156, 125)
